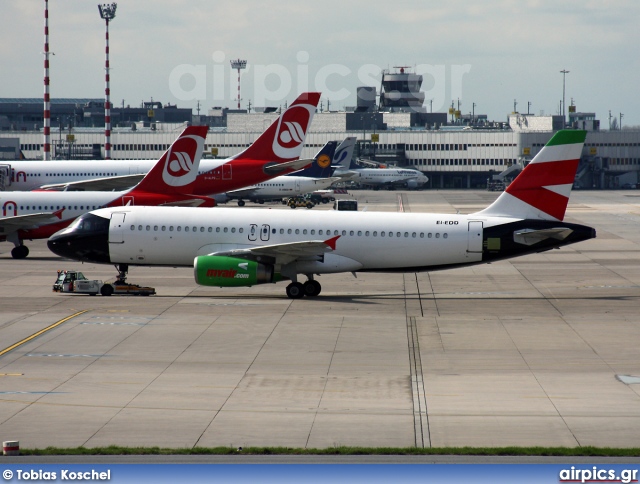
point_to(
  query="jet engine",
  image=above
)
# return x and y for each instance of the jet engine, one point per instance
(223, 271)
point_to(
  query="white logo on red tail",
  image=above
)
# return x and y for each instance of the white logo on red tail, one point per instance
(291, 131)
(179, 165)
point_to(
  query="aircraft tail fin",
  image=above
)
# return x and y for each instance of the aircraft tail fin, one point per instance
(177, 168)
(344, 152)
(321, 166)
(541, 191)
(284, 139)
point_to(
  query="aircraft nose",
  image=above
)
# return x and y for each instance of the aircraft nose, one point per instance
(82, 242)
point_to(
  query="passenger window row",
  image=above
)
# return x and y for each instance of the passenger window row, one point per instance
(179, 228)
(58, 207)
(327, 232)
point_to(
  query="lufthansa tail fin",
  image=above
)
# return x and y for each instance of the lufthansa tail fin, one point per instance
(177, 169)
(541, 191)
(284, 139)
(321, 166)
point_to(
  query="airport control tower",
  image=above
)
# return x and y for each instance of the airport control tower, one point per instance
(400, 91)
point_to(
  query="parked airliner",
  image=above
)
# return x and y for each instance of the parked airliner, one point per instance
(385, 177)
(228, 247)
(315, 177)
(38, 214)
(274, 153)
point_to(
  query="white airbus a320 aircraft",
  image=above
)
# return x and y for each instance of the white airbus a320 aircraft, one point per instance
(231, 247)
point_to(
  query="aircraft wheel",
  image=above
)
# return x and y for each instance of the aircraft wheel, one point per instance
(240, 203)
(295, 290)
(106, 290)
(20, 252)
(312, 288)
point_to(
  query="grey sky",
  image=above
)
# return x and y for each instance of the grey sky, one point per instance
(486, 52)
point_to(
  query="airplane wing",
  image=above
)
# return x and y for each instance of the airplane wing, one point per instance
(30, 221)
(106, 184)
(285, 253)
(288, 165)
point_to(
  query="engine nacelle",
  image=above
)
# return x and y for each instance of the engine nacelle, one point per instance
(221, 271)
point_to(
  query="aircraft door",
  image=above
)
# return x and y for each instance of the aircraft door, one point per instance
(116, 228)
(298, 186)
(226, 171)
(5, 177)
(265, 232)
(474, 243)
(253, 232)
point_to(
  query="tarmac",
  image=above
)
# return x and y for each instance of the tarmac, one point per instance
(541, 350)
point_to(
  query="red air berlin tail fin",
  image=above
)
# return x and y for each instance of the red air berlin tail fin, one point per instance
(177, 169)
(542, 190)
(284, 139)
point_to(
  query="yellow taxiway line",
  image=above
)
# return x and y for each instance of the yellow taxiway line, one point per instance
(42, 331)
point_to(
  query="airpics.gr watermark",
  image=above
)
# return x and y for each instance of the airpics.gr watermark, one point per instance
(274, 82)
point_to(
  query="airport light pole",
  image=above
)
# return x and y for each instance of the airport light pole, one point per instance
(238, 64)
(46, 153)
(564, 73)
(107, 13)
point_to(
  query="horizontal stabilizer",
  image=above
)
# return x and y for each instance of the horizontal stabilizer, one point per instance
(191, 202)
(106, 184)
(286, 166)
(532, 236)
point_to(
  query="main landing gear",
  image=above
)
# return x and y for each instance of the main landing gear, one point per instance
(20, 251)
(310, 288)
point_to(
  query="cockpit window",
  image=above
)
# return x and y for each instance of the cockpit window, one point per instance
(90, 223)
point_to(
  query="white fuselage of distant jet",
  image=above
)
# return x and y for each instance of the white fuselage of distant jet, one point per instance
(388, 177)
(31, 175)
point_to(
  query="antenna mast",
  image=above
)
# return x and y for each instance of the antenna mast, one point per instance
(238, 64)
(107, 12)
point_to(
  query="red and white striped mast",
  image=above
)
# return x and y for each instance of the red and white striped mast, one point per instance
(46, 154)
(239, 64)
(107, 12)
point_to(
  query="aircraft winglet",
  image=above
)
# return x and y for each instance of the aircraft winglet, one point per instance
(332, 242)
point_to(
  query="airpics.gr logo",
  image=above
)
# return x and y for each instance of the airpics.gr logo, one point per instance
(179, 165)
(291, 131)
(323, 161)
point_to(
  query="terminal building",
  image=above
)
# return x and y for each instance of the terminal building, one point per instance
(453, 150)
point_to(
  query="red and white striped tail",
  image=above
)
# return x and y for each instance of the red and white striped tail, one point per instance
(542, 190)
(284, 139)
